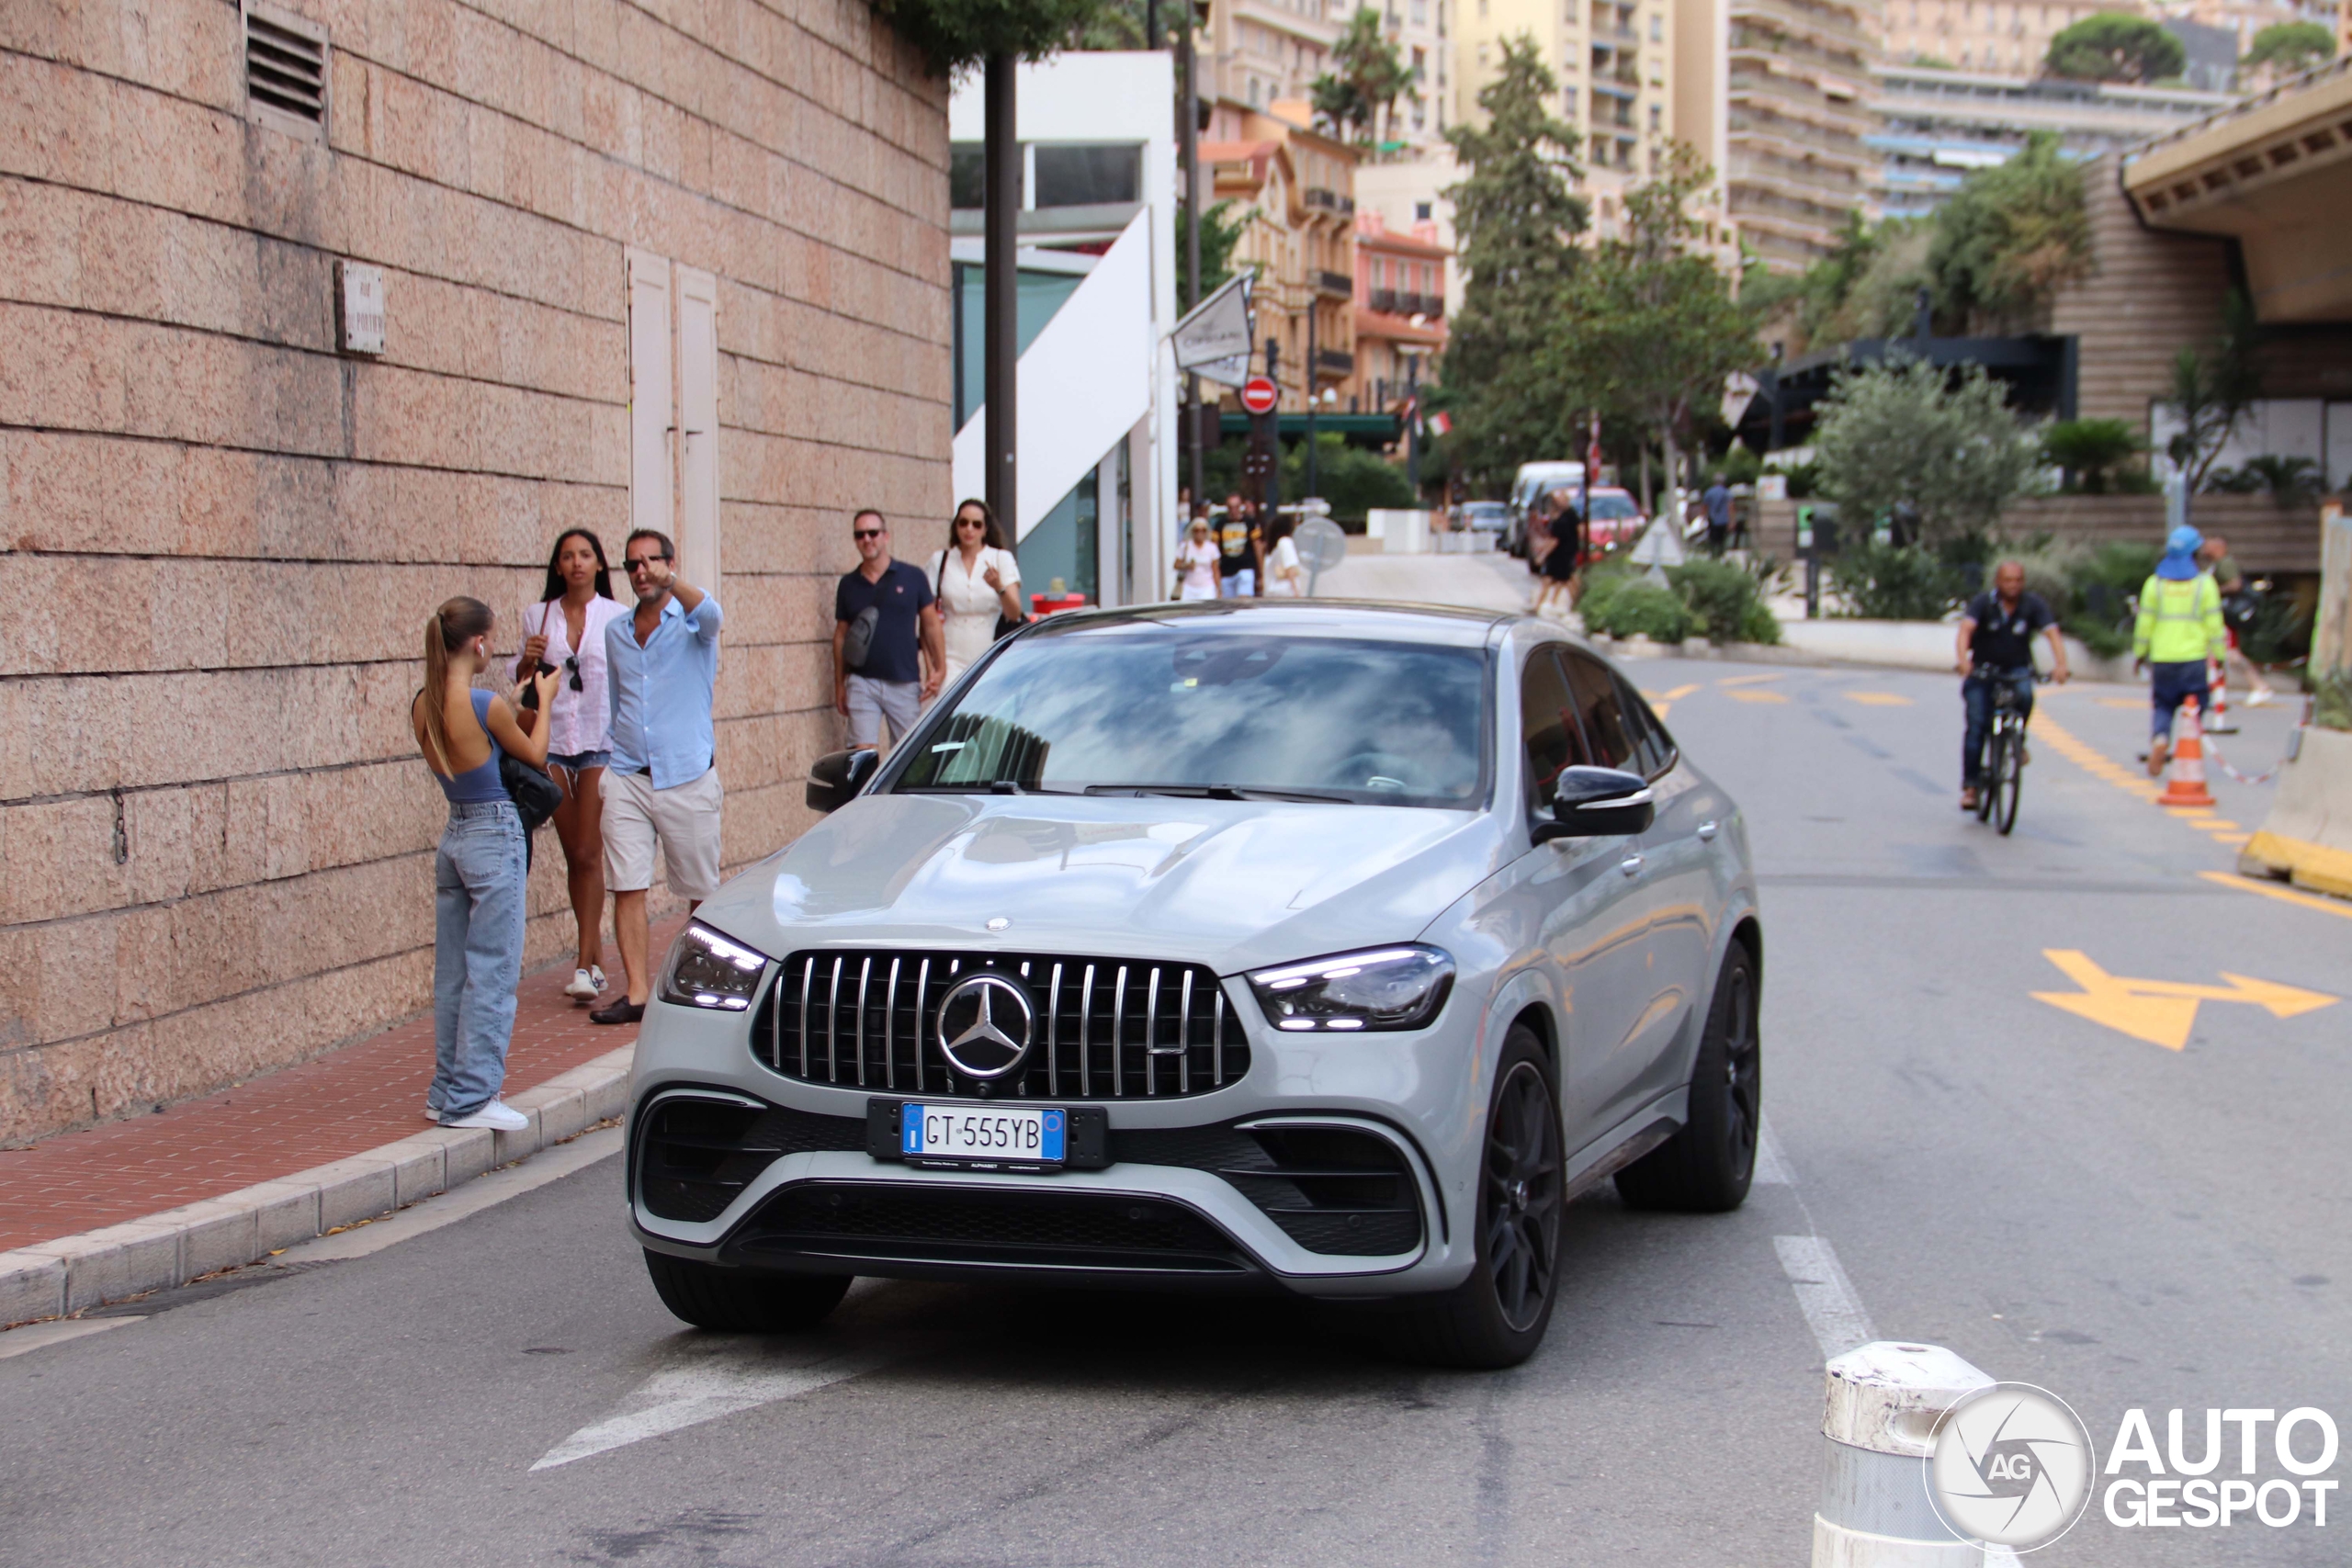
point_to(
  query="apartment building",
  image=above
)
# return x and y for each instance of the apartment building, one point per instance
(1421, 31)
(1262, 51)
(1937, 125)
(1298, 188)
(1399, 311)
(1987, 36)
(1797, 162)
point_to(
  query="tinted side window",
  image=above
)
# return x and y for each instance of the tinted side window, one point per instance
(1604, 721)
(1548, 725)
(1655, 746)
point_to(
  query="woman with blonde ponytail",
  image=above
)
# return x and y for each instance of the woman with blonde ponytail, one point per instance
(478, 873)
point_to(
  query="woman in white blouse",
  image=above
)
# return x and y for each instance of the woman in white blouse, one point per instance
(976, 580)
(566, 629)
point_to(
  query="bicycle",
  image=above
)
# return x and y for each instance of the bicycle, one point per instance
(2003, 778)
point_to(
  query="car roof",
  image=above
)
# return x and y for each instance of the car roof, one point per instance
(1435, 624)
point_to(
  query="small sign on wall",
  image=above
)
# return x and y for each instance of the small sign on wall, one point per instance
(360, 316)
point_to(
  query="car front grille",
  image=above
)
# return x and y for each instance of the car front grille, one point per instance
(1339, 1191)
(1104, 1029)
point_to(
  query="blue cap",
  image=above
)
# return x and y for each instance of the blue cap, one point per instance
(2183, 541)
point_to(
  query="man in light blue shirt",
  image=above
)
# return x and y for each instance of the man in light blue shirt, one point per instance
(662, 783)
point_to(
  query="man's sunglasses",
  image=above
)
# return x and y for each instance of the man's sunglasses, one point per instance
(638, 563)
(866, 532)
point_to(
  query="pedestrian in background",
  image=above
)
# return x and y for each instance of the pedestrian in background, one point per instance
(2238, 605)
(976, 582)
(1717, 500)
(1560, 558)
(1197, 562)
(1238, 545)
(566, 630)
(2179, 630)
(889, 654)
(661, 785)
(479, 871)
(1285, 578)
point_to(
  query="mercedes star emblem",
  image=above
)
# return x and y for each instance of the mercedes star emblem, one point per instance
(985, 1023)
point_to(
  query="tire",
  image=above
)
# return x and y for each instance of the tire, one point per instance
(1497, 1317)
(727, 1301)
(2008, 784)
(1706, 1166)
(1988, 784)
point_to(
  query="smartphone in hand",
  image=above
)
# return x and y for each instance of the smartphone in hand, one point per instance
(530, 698)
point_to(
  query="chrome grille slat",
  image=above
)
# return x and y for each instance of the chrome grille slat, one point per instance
(1155, 1015)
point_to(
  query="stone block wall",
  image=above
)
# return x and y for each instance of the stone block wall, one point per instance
(220, 539)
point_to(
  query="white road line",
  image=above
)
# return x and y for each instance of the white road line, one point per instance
(1827, 1297)
(1771, 1165)
(727, 1376)
(33, 1335)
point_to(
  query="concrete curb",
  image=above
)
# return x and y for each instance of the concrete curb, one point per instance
(74, 1272)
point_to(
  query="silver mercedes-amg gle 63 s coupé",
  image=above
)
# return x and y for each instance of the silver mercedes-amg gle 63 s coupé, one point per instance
(1318, 947)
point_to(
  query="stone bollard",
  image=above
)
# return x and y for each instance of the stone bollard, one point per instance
(1883, 1401)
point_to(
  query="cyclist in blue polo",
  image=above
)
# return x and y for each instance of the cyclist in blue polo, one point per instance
(1996, 647)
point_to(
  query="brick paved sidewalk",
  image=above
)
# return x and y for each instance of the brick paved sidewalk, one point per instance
(345, 1102)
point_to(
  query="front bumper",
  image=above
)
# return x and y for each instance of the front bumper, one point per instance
(1234, 1189)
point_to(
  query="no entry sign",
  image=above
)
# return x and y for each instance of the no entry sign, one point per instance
(1258, 395)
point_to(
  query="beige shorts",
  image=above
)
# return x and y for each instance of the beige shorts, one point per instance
(684, 817)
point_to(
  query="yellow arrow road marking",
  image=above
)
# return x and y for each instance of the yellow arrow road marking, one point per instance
(1746, 680)
(1879, 699)
(1746, 696)
(2162, 1012)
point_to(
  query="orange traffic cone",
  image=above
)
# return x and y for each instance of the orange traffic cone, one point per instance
(2186, 785)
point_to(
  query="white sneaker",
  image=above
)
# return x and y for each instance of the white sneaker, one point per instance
(584, 985)
(2260, 697)
(432, 1112)
(497, 1114)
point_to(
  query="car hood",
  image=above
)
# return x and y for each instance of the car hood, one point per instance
(1231, 884)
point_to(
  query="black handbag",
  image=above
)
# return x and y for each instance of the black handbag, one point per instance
(534, 794)
(1005, 627)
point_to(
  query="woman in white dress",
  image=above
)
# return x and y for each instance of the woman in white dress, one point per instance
(566, 628)
(1285, 579)
(976, 580)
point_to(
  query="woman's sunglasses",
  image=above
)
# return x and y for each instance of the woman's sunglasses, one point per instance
(572, 663)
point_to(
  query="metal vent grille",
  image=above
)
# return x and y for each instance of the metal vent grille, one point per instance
(1105, 1029)
(286, 70)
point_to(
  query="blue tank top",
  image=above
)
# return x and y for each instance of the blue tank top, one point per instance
(476, 785)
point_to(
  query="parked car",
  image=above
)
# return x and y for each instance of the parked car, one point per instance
(1484, 517)
(1221, 947)
(1617, 517)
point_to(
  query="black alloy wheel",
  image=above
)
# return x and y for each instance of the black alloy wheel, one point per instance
(1520, 1205)
(1707, 1166)
(1497, 1317)
(1988, 784)
(2008, 781)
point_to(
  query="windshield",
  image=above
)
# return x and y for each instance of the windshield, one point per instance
(1614, 506)
(1108, 709)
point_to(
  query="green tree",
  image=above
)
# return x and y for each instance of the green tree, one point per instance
(2291, 46)
(1352, 479)
(2090, 450)
(1516, 219)
(1370, 77)
(2010, 236)
(1909, 431)
(1221, 230)
(2212, 388)
(2115, 46)
(954, 34)
(1652, 330)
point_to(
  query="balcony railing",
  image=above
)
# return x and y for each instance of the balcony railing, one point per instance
(1324, 198)
(1334, 362)
(1339, 285)
(1385, 300)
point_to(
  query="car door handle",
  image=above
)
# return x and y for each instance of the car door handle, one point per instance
(1631, 865)
(1709, 829)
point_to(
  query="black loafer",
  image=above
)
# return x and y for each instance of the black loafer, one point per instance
(620, 1010)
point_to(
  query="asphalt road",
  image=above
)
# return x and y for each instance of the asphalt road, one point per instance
(2057, 1199)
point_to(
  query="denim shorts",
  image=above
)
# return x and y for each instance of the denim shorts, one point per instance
(576, 761)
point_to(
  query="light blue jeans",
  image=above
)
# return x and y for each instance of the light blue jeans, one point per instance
(477, 899)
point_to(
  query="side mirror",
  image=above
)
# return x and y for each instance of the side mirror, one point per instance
(1599, 803)
(835, 778)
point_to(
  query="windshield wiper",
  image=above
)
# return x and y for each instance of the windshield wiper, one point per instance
(1221, 792)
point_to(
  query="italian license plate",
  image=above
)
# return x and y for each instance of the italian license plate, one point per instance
(983, 1136)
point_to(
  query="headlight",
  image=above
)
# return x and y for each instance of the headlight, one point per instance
(707, 970)
(1390, 987)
